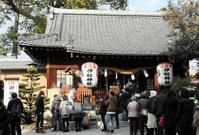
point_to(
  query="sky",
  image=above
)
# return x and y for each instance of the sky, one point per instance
(147, 5)
(133, 5)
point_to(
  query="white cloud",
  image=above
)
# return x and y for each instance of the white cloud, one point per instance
(152, 2)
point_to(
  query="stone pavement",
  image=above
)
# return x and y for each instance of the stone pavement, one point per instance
(91, 131)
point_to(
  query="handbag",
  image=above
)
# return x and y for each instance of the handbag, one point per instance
(161, 121)
(144, 112)
(97, 111)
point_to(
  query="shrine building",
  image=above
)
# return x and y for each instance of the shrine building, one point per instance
(123, 44)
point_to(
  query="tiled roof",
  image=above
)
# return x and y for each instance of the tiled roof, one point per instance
(104, 32)
(13, 64)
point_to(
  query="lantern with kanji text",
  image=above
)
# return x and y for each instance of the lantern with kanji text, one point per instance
(165, 74)
(89, 74)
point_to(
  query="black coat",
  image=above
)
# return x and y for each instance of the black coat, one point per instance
(169, 112)
(184, 116)
(4, 128)
(103, 108)
(158, 104)
(39, 104)
(14, 102)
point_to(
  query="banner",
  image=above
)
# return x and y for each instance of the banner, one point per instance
(165, 74)
(89, 74)
(10, 86)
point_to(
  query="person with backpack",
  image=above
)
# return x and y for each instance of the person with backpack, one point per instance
(55, 112)
(64, 110)
(15, 108)
(39, 104)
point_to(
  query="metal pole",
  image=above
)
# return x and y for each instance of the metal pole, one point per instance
(107, 84)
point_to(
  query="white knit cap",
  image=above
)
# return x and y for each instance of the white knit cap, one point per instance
(152, 94)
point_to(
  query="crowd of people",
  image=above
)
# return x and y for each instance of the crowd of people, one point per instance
(64, 111)
(61, 108)
(165, 112)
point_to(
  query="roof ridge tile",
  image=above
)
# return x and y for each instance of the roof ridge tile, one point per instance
(104, 12)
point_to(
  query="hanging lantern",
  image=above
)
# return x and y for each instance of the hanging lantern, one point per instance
(165, 74)
(116, 75)
(132, 77)
(193, 67)
(89, 74)
(105, 73)
(146, 74)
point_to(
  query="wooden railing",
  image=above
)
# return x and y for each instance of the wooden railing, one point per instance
(85, 95)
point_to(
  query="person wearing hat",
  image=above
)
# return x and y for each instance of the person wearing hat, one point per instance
(39, 104)
(133, 115)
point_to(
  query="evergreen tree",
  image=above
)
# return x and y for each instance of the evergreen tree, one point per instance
(29, 89)
(183, 17)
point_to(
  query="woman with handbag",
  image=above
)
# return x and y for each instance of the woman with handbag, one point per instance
(102, 111)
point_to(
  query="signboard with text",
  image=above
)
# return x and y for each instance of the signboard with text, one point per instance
(10, 86)
(193, 67)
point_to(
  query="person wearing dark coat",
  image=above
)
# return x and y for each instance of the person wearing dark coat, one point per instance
(184, 115)
(103, 110)
(4, 121)
(15, 119)
(169, 113)
(40, 112)
(142, 109)
(157, 107)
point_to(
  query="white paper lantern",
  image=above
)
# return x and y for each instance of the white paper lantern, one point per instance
(116, 75)
(89, 74)
(165, 74)
(132, 77)
(105, 73)
(193, 67)
(146, 74)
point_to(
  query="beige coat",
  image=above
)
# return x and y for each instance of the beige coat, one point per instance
(132, 109)
(196, 121)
